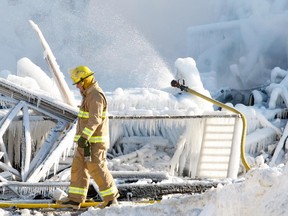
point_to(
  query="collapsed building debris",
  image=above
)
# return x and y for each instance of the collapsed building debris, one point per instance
(46, 130)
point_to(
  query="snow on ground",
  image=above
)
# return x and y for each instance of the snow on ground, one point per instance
(260, 194)
(261, 191)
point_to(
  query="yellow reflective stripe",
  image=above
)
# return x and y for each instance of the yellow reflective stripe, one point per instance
(93, 139)
(83, 114)
(77, 190)
(76, 137)
(97, 139)
(87, 132)
(109, 191)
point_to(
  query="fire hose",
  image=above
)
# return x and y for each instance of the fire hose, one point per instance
(175, 83)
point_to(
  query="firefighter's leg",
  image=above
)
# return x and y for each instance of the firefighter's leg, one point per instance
(99, 172)
(79, 177)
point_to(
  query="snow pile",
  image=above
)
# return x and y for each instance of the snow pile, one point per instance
(260, 194)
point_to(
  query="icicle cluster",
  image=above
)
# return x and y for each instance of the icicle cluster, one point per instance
(13, 138)
(186, 135)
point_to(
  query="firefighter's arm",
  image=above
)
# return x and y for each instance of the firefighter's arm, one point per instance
(95, 108)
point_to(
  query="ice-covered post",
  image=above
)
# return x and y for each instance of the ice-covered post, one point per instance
(66, 94)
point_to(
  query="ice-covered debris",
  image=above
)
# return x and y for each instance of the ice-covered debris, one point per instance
(187, 72)
(129, 102)
(26, 68)
(277, 90)
(124, 101)
(58, 76)
(255, 119)
(24, 81)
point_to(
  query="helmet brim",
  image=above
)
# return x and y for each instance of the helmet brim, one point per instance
(82, 79)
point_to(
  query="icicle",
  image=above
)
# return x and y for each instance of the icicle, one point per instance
(66, 142)
(39, 132)
(175, 160)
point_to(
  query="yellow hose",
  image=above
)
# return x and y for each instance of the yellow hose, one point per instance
(56, 205)
(42, 205)
(215, 102)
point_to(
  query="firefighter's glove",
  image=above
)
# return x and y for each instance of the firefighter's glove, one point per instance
(82, 142)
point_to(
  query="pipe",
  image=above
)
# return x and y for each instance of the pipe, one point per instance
(176, 84)
(42, 205)
(35, 205)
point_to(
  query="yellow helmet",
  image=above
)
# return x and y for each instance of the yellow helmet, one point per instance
(79, 73)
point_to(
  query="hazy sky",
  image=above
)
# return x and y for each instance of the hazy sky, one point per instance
(164, 22)
(128, 37)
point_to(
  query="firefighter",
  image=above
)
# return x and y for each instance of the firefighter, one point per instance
(92, 137)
